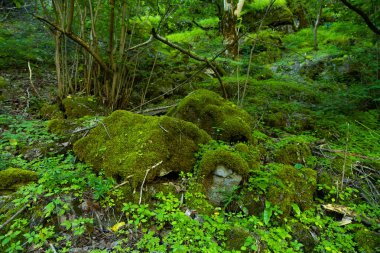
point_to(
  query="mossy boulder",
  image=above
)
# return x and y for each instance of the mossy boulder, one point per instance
(292, 186)
(250, 153)
(236, 237)
(70, 130)
(281, 185)
(293, 153)
(220, 118)
(280, 15)
(134, 147)
(368, 241)
(51, 111)
(80, 106)
(222, 171)
(294, 150)
(302, 234)
(11, 179)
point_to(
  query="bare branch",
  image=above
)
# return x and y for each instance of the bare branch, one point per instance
(79, 41)
(364, 16)
(192, 55)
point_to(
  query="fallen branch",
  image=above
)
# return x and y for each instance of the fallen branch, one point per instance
(126, 181)
(31, 80)
(13, 217)
(146, 174)
(338, 151)
(157, 110)
(347, 212)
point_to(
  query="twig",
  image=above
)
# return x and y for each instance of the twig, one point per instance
(141, 44)
(146, 174)
(345, 156)
(154, 111)
(105, 128)
(192, 55)
(371, 131)
(13, 217)
(52, 247)
(31, 80)
(99, 221)
(123, 183)
(163, 128)
(348, 153)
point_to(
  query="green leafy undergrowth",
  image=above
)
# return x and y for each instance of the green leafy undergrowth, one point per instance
(58, 208)
(22, 138)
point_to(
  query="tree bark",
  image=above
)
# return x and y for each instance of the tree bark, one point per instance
(230, 34)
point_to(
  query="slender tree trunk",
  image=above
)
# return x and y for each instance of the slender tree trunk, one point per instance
(229, 29)
(57, 60)
(316, 25)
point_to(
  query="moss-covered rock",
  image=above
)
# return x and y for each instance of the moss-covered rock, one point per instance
(133, 146)
(281, 185)
(251, 155)
(222, 171)
(302, 234)
(236, 237)
(51, 111)
(294, 150)
(80, 106)
(280, 15)
(368, 241)
(13, 178)
(223, 120)
(70, 130)
(231, 160)
(292, 186)
(293, 153)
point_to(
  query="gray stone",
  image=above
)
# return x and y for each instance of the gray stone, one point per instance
(222, 171)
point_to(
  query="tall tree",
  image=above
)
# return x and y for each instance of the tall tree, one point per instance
(231, 13)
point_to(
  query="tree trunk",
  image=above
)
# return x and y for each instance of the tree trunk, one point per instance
(316, 24)
(229, 29)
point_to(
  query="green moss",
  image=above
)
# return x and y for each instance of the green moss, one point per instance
(77, 107)
(223, 120)
(338, 164)
(294, 149)
(59, 126)
(368, 241)
(12, 178)
(293, 153)
(51, 111)
(127, 145)
(251, 154)
(236, 237)
(302, 234)
(292, 186)
(3, 85)
(229, 159)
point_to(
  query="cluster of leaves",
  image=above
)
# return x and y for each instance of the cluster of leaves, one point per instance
(18, 135)
(51, 205)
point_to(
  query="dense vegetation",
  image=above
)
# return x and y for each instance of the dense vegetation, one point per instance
(189, 126)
